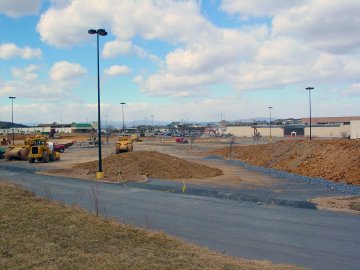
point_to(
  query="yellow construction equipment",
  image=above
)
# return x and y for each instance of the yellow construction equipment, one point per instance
(124, 144)
(4, 141)
(42, 150)
(135, 137)
(18, 152)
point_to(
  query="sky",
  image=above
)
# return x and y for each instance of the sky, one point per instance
(178, 60)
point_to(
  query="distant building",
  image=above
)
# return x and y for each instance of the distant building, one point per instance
(345, 120)
(355, 129)
(288, 121)
(81, 128)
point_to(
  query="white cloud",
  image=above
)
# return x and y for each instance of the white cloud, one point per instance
(9, 51)
(117, 70)
(118, 47)
(26, 73)
(258, 7)
(113, 48)
(33, 91)
(352, 90)
(20, 8)
(66, 71)
(302, 42)
(330, 26)
(173, 21)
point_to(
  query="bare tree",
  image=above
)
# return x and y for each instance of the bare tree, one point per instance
(95, 198)
(192, 139)
(231, 143)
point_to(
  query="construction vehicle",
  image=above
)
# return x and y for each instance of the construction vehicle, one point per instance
(19, 152)
(4, 141)
(93, 139)
(135, 137)
(124, 144)
(2, 153)
(41, 150)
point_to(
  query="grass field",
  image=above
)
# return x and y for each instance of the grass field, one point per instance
(39, 234)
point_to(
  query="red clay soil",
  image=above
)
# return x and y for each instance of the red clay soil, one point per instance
(149, 163)
(335, 160)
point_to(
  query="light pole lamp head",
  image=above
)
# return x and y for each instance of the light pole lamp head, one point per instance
(309, 88)
(270, 107)
(12, 97)
(122, 103)
(102, 32)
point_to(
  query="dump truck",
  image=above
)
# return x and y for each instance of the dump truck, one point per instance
(43, 151)
(124, 144)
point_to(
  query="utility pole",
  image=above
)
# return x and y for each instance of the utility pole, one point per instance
(12, 119)
(309, 89)
(122, 108)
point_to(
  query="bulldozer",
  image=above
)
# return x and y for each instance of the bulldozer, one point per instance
(41, 150)
(124, 144)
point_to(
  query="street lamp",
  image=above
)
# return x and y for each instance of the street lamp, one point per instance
(270, 123)
(122, 109)
(101, 32)
(309, 89)
(12, 118)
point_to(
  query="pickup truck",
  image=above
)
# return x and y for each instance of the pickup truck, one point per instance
(181, 140)
(59, 148)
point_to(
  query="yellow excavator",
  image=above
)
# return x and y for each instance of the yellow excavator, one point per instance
(124, 144)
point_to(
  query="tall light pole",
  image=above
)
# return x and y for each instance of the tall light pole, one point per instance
(122, 109)
(270, 123)
(101, 32)
(309, 89)
(12, 118)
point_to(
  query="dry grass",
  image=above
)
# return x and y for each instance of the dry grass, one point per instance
(355, 206)
(38, 234)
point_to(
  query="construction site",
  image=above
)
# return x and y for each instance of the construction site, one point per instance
(293, 173)
(134, 158)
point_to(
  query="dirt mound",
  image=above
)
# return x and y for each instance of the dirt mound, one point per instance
(336, 160)
(150, 163)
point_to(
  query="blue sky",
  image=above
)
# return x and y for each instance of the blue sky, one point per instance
(192, 60)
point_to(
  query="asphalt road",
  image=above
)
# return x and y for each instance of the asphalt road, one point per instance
(306, 237)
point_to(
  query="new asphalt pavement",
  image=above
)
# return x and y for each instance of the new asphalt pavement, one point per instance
(250, 225)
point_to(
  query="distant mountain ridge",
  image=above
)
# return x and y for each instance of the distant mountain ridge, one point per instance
(9, 125)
